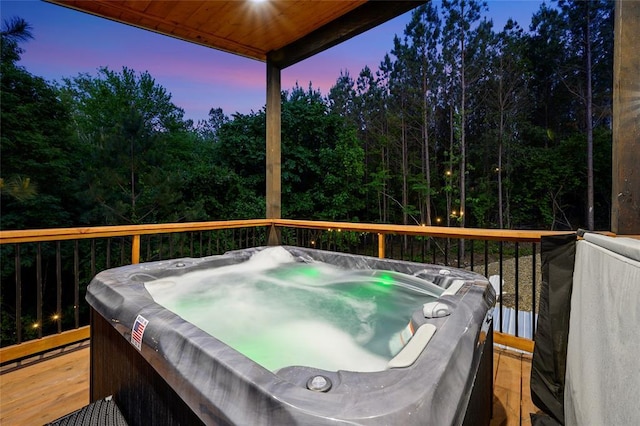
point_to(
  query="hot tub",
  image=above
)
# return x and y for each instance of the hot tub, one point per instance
(430, 362)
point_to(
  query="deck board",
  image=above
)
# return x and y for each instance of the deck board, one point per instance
(511, 394)
(44, 391)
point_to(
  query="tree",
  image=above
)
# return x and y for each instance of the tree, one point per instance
(38, 159)
(14, 31)
(463, 43)
(322, 165)
(589, 29)
(38, 185)
(341, 97)
(400, 90)
(138, 142)
(552, 109)
(506, 95)
(372, 125)
(208, 129)
(424, 34)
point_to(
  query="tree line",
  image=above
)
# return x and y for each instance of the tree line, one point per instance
(460, 125)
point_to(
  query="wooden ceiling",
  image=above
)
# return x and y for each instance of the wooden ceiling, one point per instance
(283, 31)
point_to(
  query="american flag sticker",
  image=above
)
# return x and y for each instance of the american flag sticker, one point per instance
(137, 331)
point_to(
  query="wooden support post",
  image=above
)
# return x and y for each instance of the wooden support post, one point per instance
(625, 207)
(381, 246)
(135, 249)
(273, 178)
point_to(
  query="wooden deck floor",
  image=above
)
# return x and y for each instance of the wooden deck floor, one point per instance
(511, 388)
(46, 390)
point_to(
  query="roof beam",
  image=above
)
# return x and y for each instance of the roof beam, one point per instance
(359, 20)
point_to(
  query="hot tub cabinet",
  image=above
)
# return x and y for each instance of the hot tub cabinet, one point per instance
(162, 370)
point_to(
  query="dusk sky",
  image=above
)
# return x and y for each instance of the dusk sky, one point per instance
(67, 42)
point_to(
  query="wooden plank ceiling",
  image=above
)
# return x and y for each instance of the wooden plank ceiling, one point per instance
(284, 31)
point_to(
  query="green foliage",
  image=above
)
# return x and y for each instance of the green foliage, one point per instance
(38, 161)
(322, 160)
(137, 146)
(13, 31)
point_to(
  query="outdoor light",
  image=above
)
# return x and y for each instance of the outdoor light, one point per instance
(55, 317)
(35, 325)
(448, 172)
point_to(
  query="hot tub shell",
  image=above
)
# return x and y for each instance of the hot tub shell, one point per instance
(182, 375)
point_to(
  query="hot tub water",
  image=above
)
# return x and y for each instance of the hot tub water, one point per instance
(281, 312)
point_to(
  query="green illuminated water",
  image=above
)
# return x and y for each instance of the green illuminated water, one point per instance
(279, 312)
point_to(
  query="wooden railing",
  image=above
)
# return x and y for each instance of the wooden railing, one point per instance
(66, 259)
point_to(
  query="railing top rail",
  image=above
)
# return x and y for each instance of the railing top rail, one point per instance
(432, 231)
(56, 234)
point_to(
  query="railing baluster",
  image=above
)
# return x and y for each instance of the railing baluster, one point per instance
(446, 252)
(517, 284)
(57, 317)
(533, 290)
(160, 257)
(18, 295)
(108, 253)
(93, 258)
(501, 279)
(486, 258)
(39, 290)
(411, 240)
(433, 251)
(460, 244)
(471, 254)
(76, 283)
(122, 254)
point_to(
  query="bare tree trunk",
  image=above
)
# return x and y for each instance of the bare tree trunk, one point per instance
(133, 182)
(463, 150)
(589, 123)
(405, 173)
(449, 172)
(500, 136)
(426, 160)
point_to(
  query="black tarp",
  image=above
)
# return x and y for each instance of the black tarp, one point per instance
(550, 352)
